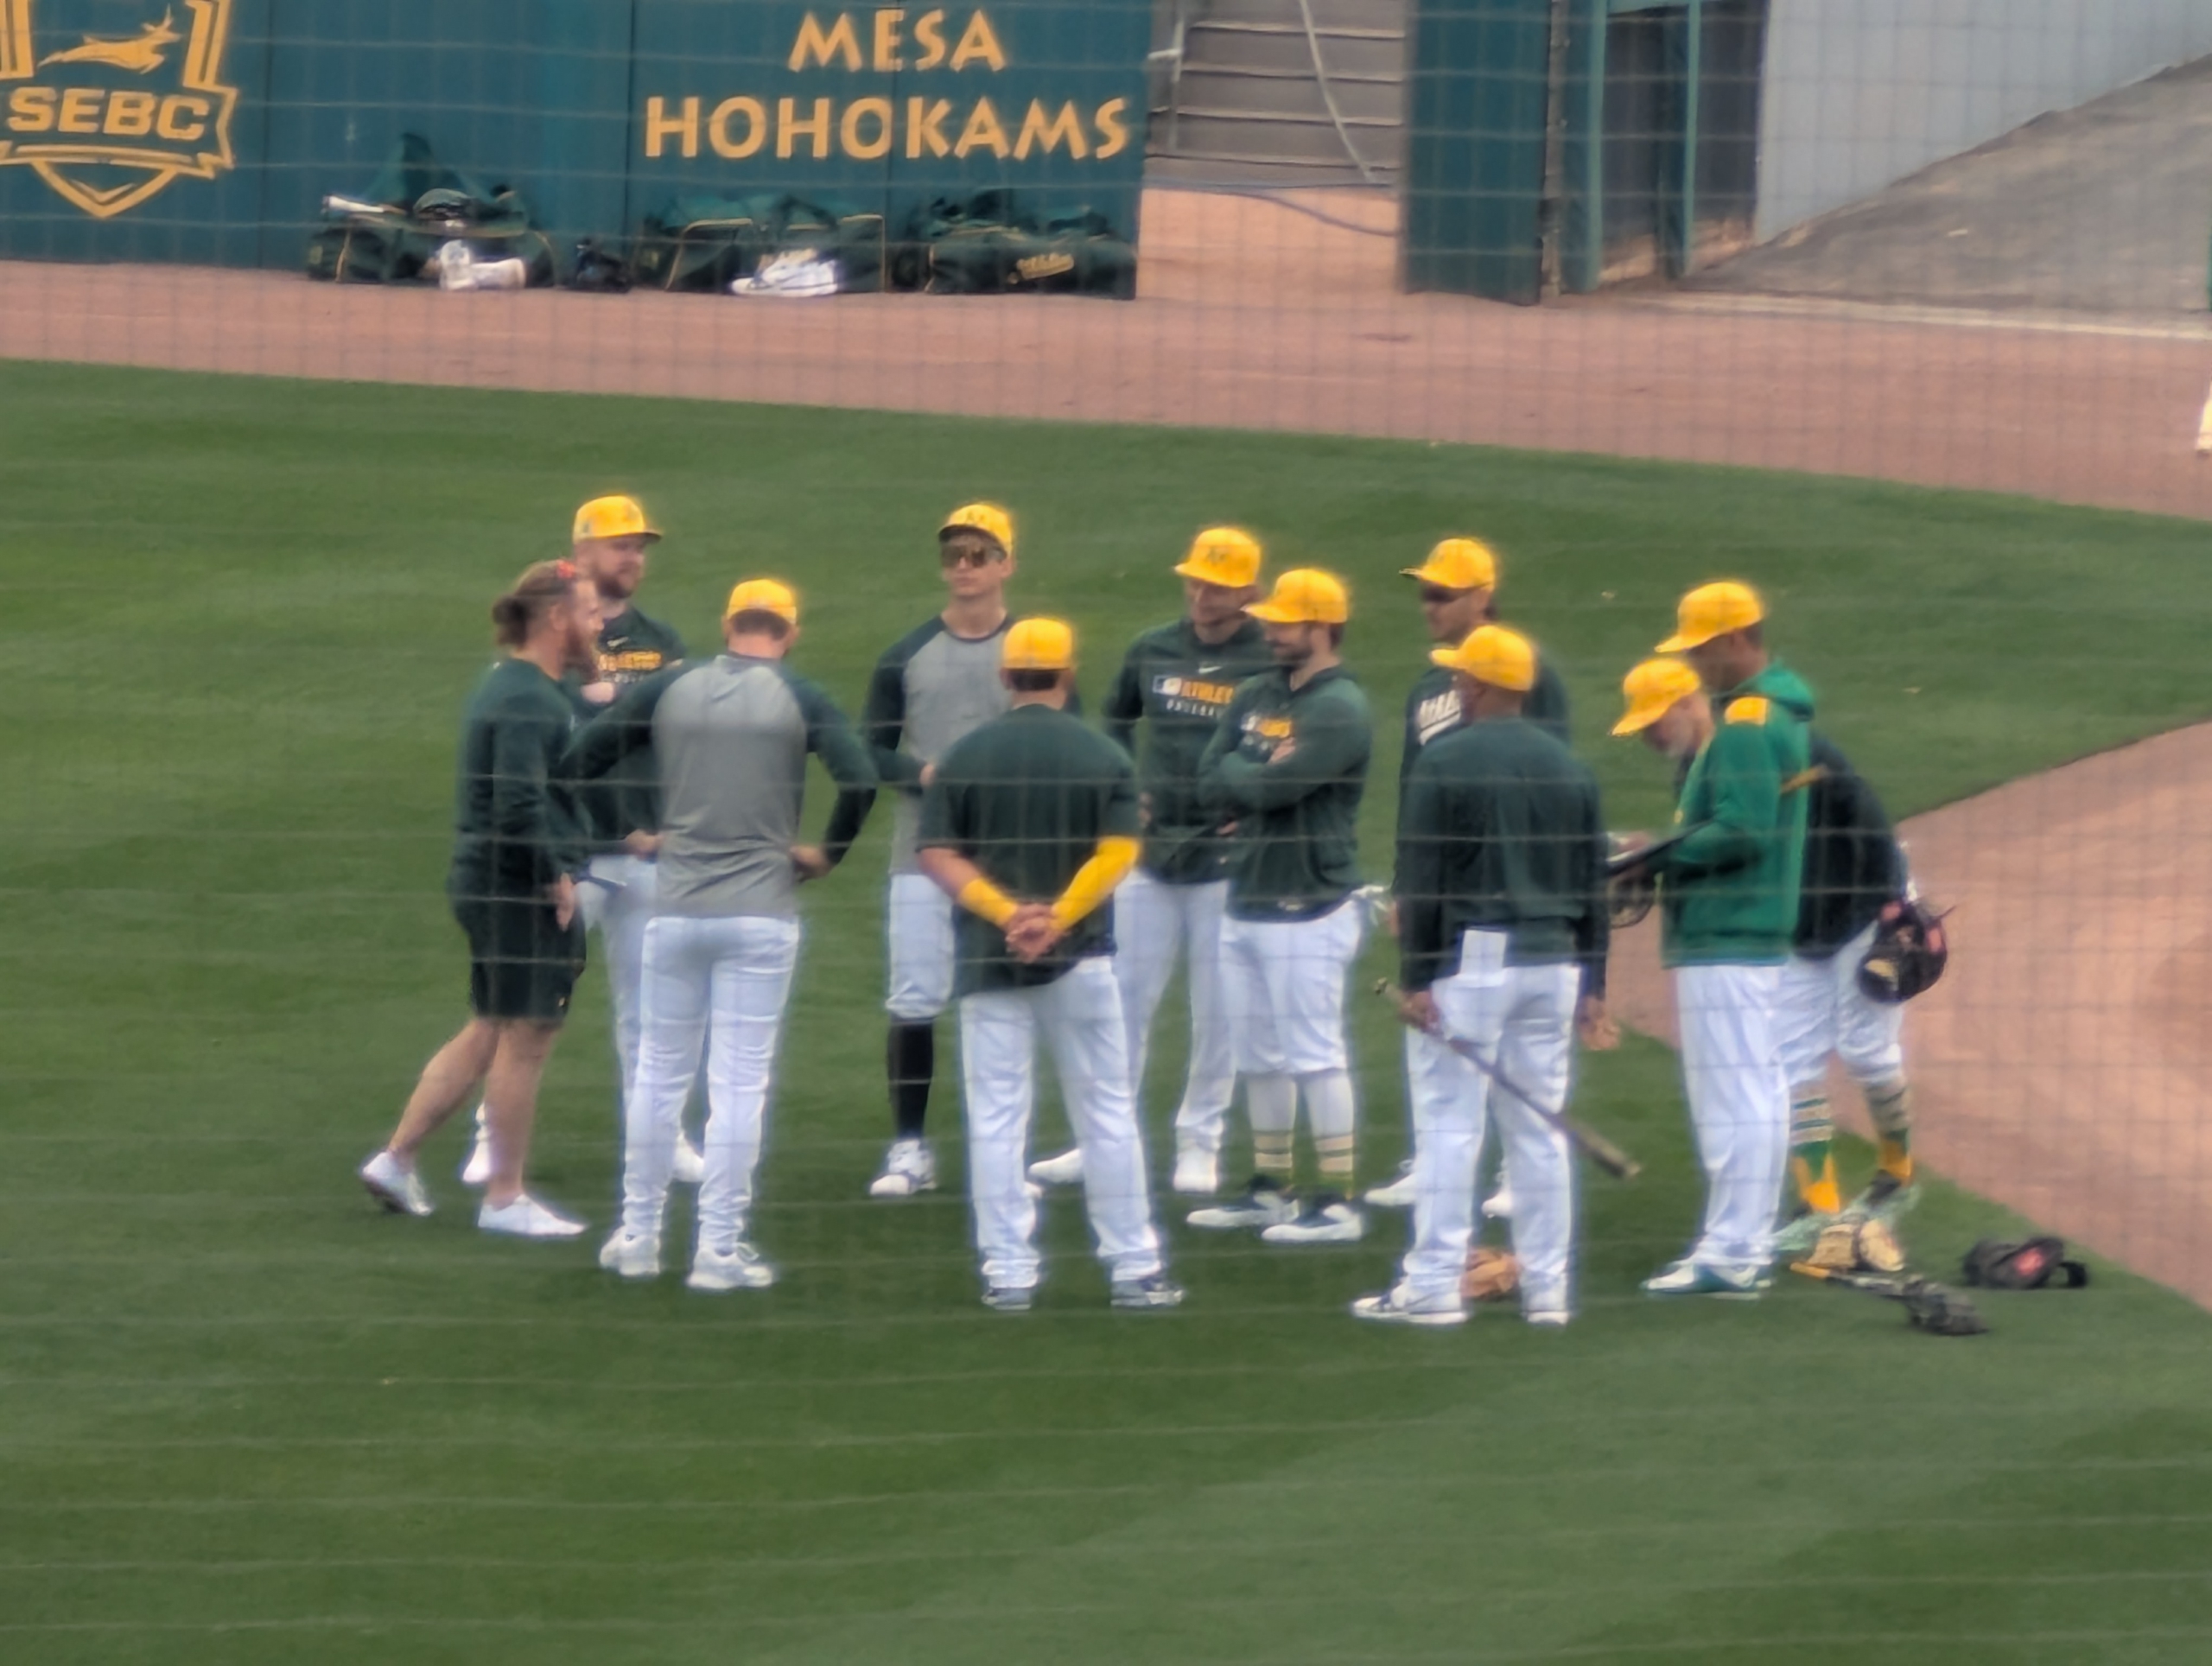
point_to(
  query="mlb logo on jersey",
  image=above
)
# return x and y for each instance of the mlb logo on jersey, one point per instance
(109, 117)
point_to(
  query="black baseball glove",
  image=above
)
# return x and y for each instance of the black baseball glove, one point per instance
(1908, 954)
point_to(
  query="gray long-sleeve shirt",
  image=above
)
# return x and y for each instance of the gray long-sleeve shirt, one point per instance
(729, 738)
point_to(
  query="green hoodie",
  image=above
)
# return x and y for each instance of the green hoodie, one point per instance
(1728, 890)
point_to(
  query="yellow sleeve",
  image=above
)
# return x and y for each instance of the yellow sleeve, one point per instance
(1095, 881)
(980, 896)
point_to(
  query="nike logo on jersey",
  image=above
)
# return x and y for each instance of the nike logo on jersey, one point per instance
(1208, 670)
(1437, 715)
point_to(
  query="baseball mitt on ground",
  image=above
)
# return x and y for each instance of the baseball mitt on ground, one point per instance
(1491, 1274)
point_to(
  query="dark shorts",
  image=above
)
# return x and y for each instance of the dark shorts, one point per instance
(521, 964)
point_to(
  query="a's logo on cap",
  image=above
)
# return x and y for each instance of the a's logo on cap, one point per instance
(109, 118)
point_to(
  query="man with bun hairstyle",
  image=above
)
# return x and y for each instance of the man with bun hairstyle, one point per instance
(1728, 878)
(1285, 770)
(1458, 589)
(1029, 824)
(1177, 679)
(513, 892)
(729, 739)
(619, 816)
(1502, 932)
(933, 686)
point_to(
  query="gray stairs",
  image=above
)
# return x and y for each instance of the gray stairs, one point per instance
(1248, 104)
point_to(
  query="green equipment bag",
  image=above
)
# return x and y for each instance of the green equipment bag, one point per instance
(414, 206)
(702, 243)
(988, 244)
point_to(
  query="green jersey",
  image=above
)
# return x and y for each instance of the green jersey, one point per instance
(514, 828)
(1179, 686)
(1295, 851)
(1728, 889)
(632, 647)
(1433, 712)
(1500, 832)
(1026, 797)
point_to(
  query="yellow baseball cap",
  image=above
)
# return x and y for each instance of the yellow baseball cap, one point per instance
(763, 595)
(612, 517)
(1039, 645)
(1458, 564)
(1653, 690)
(1713, 610)
(1492, 654)
(992, 522)
(1305, 595)
(1227, 555)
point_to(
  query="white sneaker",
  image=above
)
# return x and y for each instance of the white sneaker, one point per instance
(477, 1170)
(1399, 1195)
(1197, 1170)
(633, 1254)
(908, 1167)
(526, 1218)
(1066, 1169)
(738, 1267)
(1398, 1306)
(1550, 1319)
(395, 1185)
(1498, 1207)
(689, 1167)
(1328, 1220)
(1264, 1204)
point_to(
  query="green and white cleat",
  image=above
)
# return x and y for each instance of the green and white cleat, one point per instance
(1695, 1278)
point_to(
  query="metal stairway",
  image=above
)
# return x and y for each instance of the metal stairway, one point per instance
(1279, 92)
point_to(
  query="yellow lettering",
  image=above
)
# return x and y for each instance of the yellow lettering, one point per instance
(926, 126)
(789, 127)
(80, 110)
(756, 128)
(983, 131)
(170, 127)
(131, 115)
(979, 42)
(848, 130)
(930, 39)
(30, 110)
(813, 43)
(1113, 137)
(887, 40)
(1050, 133)
(660, 126)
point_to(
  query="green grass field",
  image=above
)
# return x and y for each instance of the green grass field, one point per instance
(245, 1418)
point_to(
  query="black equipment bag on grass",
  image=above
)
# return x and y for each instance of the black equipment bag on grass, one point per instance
(2026, 1264)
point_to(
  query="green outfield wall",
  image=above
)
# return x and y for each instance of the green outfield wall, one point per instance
(209, 131)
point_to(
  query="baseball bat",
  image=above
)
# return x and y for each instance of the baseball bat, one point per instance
(1878, 1284)
(1592, 1144)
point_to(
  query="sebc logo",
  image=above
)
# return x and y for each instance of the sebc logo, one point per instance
(108, 119)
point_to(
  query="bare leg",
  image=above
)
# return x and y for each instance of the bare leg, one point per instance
(511, 1103)
(445, 1083)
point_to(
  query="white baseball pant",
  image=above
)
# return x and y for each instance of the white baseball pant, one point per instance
(1283, 990)
(918, 929)
(723, 981)
(1080, 1015)
(1152, 921)
(1522, 1018)
(1740, 1107)
(616, 898)
(1821, 1010)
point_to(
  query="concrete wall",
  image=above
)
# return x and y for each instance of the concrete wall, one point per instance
(1860, 93)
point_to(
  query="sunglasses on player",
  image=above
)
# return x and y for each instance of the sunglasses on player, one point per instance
(1434, 595)
(970, 557)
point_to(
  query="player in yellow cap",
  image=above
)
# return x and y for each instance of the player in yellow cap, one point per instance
(1285, 769)
(1502, 932)
(1175, 681)
(1729, 880)
(1457, 588)
(1029, 824)
(611, 539)
(932, 687)
(729, 739)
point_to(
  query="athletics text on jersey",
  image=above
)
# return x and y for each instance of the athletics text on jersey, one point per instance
(1433, 712)
(633, 646)
(1295, 852)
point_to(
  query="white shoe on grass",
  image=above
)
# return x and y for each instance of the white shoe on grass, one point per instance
(477, 1170)
(690, 1165)
(1399, 1195)
(1328, 1219)
(1498, 1207)
(1264, 1204)
(908, 1167)
(1399, 1306)
(633, 1254)
(526, 1218)
(1197, 1170)
(1066, 1169)
(740, 1267)
(395, 1185)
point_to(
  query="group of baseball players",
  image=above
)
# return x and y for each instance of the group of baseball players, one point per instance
(1046, 877)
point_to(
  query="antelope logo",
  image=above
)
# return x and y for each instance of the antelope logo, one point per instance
(110, 121)
(141, 53)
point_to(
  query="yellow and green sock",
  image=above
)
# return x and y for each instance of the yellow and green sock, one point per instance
(1812, 1152)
